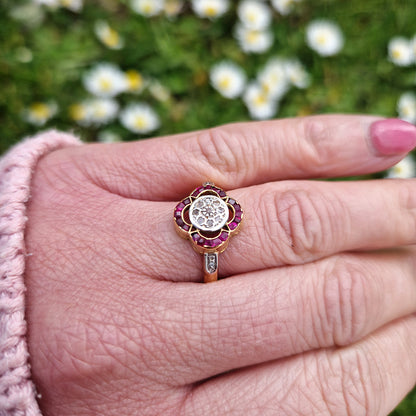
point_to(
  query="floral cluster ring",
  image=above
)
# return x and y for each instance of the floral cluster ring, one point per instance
(208, 217)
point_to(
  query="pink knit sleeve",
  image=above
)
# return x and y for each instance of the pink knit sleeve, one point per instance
(17, 393)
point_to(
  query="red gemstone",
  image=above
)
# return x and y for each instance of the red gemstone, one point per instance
(187, 201)
(224, 236)
(232, 201)
(217, 242)
(233, 225)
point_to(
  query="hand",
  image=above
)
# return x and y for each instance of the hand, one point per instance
(316, 317)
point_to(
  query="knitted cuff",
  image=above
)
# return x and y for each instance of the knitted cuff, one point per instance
(17, 392)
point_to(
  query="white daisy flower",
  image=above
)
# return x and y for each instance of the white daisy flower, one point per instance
(73, 5)
(108, 136)
(259, 104)
(413, 44)
(406, 107)
(273, 78)
(324, 37)
(139, 118)
(147, 8)
(94, 111)
(406, 168)
(254, 15)
(297, 74)
(105, 80)
(228, 79)
(173, 7)
(284, 7)
(107, 35)
(253, 41)
(401, 51)
(210, 8)
(39, 113)
(159, 91)
(49, 3)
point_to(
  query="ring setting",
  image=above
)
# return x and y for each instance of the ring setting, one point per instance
(208, 217)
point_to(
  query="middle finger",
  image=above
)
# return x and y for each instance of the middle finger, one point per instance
(286, 223)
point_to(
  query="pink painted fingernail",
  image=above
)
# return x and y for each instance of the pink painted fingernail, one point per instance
(392, 136)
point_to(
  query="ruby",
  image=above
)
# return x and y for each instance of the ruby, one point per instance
(237, 208)
(195, 237)
(233, 225)
(178, 214)
(197, 191)
(187, 201)
(222, 193)
(237, 217)
(180, 222)
(180, 206)
(186, 227)
(224, 236)
(201, 241)
(217, 242)
(232, 201)
(209, 243)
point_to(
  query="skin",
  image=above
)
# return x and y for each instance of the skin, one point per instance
(316, 317)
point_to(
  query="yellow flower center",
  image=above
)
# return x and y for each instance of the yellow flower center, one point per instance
(105, 84)
(77, 112)
(40, 110)
(211, 11)
(225, 82)
(260, 100)
(321, 39)
(111, 38)
(147, 8)
(134, 80)
(397, 53)
(252, 36)
(140, 122)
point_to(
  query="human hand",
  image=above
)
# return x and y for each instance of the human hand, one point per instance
(317, 316)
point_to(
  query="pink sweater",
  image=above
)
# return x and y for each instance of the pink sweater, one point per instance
(17, 392)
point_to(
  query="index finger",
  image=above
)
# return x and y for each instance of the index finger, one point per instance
(244, 154)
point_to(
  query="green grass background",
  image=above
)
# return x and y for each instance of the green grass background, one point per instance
(179, 54)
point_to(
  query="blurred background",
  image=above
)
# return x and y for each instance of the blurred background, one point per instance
(126, 70)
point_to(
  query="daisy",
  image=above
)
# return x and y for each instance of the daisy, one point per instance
(254, 15)
(173, 8)
(147, 8)
(259, 104)
(228, 79)
(73, 5)
(284, 7)
(210, 8)
(297, 74)
(139, 118)
(108, 36)
(324, 37)
(273, 78)
(406, 168)
(49, 3)
(135, 81)
(406, 107)
(401, 51)
(107, 136)
(253, 41)
(105, 80)
(39, 113)
(159, 91)
(94, 112)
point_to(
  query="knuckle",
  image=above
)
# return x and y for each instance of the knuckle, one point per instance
(349, 384)
(345, 301)
(215, 150)
(296, 223)
(317, 150)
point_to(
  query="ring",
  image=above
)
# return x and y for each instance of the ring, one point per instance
(208, 217)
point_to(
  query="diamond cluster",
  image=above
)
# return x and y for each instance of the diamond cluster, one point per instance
(208, 213)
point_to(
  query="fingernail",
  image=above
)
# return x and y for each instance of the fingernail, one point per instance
(392, 136)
